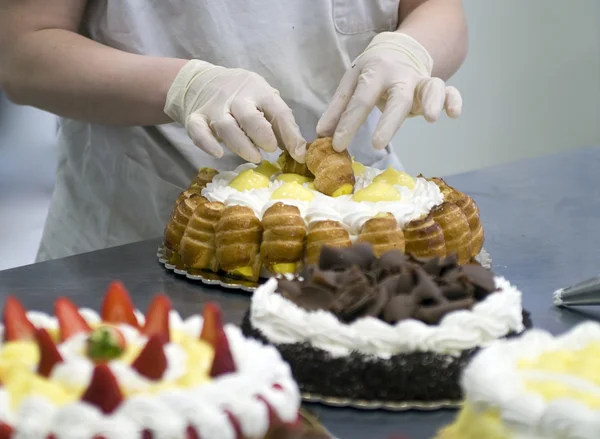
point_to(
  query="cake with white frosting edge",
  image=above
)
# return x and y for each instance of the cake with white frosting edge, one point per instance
(258, 220)
(537, 386)
(248, 402)
(379, 358)
(414, 203)
(283, 322)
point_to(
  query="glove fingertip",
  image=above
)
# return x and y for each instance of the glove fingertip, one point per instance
(338, 144)
(454, 112)
(299, 155)
(379, 143)
(430, 117)
(324, 128)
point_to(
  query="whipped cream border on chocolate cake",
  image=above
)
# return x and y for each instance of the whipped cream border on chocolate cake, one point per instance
(169, 412)
(492, 382)
(414, 202)
(283, 322)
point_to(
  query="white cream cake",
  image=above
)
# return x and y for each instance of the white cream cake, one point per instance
(537, 386)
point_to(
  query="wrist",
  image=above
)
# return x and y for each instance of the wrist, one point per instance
(175, 102)
(402, 42)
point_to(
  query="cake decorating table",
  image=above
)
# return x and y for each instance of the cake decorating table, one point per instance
(542, 231)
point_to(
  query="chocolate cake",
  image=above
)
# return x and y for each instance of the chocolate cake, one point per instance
(395, 329)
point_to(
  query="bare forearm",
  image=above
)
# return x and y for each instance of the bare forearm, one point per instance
(67, 74)
(440, 26)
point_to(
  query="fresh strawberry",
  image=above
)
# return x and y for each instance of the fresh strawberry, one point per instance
(190, 433)
(117, 306)
(157, 318)
(223, 360)
(235, 424)
(105, 343)
(152, 361)
(103, 391)
(214, 334)
(49, 355)
(212, 320)
(16, 324)
(6, 431)
(70, 321)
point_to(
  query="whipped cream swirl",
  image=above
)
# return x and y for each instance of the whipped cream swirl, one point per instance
(414, 202)
(493, 381)
(281, 321)
(262, 376)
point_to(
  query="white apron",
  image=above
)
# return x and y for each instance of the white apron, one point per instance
(117, 185)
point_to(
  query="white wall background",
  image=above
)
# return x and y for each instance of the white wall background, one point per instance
(530, 85)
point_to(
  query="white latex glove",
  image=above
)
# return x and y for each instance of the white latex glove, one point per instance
(394, 73)
(234, 106)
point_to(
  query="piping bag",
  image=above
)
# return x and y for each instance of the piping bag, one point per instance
(581, 294)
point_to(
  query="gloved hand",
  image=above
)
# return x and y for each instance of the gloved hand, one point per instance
(394, 73)
(234, 106)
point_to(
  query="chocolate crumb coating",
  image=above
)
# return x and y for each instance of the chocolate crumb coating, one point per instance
(420, 377)
(352, 283)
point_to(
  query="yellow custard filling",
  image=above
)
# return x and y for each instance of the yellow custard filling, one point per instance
(267, 168)
(473, 425)
(582, 363)
(358, 168)
(394, 177)
(552, 373)
(19, 361)
(376, 192)
(293, 178)
(292, 191)
(561, 374)
(250, 179)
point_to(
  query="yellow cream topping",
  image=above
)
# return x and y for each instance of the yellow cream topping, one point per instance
(248, 180)
(284, 267)
(394, 177)
(583, 364)
(377, 191)
(345, 189)
(242, 271)
(542, 376)
(267, 168)
(293, 191)
(291, 178)
(19, 360)
(473, 425)
(358, 168)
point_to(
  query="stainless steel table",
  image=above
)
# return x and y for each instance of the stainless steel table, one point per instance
(542, 224)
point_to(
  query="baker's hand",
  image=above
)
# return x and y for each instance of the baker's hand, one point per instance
(236, 107)
(394, 73)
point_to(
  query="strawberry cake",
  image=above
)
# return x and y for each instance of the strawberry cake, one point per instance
(121, 374)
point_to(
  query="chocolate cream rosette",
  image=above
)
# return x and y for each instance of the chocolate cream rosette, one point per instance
(395, 330)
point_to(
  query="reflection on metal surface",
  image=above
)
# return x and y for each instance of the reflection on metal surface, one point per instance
(172, 261)
(312, 424)
(380, 405)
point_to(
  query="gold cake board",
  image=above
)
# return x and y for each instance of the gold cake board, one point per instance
(380, 405)
(171, 261)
